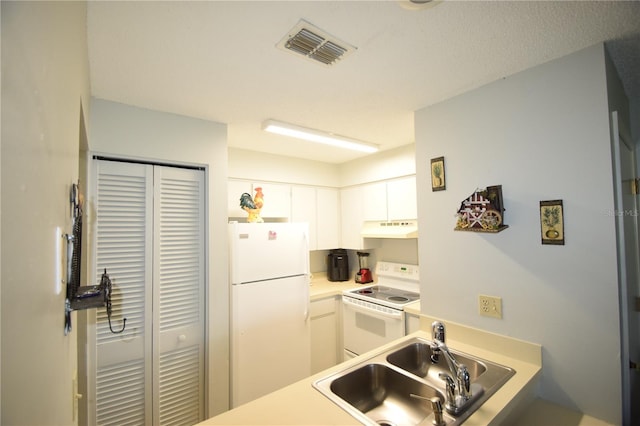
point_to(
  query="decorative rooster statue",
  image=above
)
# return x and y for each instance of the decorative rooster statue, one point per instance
(252, 205)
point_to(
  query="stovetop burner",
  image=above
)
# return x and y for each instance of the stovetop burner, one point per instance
(389, 296)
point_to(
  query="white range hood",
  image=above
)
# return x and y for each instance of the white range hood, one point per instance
(392, 229)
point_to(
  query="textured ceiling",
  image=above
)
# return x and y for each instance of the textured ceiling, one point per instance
(218, 60)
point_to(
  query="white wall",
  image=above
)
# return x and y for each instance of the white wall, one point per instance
(380, 166)
(542, 134)
(44, 82)
(130, 132)
(264, 167)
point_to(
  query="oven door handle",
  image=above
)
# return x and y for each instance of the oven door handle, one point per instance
(374, 310)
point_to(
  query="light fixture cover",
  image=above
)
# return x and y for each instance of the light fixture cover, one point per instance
(317, 136)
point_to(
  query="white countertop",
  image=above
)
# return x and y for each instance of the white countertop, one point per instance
(321, 287)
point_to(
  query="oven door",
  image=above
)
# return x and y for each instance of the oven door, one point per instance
(368, 326)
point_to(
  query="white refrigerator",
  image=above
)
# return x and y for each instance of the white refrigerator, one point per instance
(270, 325)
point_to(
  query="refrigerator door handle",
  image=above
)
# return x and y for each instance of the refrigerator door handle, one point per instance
(306, 302)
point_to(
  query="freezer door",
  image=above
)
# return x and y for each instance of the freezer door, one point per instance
(263, 251)
(270, 338)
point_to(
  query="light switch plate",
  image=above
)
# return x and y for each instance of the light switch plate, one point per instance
(490, 306)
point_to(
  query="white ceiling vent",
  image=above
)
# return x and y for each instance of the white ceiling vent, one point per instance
(313, 43)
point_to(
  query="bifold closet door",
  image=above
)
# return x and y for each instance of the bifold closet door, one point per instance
(149, 236)
(178, 277)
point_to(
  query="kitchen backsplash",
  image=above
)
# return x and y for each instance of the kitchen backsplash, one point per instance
(401, 251)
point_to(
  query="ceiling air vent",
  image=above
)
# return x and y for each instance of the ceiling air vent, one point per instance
(313, 43)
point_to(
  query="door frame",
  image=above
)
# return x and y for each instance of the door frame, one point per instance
(624, 284)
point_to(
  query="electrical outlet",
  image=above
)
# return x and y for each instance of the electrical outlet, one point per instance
(490, 306)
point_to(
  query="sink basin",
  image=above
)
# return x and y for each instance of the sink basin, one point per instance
(416, 359)
(377, 391)
(384, 395)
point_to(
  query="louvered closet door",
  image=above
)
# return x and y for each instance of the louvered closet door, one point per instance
(178, 277)
(150, 237)
(124, 231)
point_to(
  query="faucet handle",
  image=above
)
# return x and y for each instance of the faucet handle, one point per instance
(450, 388)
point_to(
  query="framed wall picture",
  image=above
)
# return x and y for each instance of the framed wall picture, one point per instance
(438, 182)
(552, 222)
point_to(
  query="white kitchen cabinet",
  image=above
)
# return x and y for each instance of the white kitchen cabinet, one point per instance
(328, 225)
(325, 333)
(352, 207)
(303, 209)
(374, 201)
(402, 199)
(320, 208)
(277, 199)
(389, 200)
(380, 201)
(412, 323)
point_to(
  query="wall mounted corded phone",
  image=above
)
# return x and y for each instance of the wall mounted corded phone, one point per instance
(83, 297)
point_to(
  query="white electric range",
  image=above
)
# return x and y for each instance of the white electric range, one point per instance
(373, 315)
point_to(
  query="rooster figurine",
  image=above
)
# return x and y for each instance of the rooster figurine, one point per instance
(252, 206)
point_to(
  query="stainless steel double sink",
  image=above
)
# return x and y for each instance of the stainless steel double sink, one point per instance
(390, 388)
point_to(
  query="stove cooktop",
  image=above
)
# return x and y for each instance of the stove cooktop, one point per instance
(388, 296)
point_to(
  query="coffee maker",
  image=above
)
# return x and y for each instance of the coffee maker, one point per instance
(338, 265)
(363, 275)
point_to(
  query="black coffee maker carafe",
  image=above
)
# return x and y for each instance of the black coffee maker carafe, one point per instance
(338, 265)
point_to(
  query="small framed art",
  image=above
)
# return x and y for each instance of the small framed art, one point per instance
(438, 182)
(552, 222)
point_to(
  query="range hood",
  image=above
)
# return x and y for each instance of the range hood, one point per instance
(390, 229)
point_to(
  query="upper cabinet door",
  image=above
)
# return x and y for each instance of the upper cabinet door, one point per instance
(352, 217)
(328, 218)
(352, 206)
(277, 199)
(320, 208)
(374, 201)
(402, 198)
(303, 209)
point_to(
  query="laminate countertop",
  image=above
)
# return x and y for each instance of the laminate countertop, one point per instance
(321, 287)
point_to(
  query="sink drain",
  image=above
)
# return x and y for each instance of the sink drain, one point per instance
(385, 423)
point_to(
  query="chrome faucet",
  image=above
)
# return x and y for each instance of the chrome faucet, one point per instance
(458, 384)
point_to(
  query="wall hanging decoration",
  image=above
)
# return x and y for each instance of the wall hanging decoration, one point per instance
(482, 211)
(253, 206)
(438, 182)
(552, 222)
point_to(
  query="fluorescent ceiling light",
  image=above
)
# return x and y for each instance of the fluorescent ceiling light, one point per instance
(318, 136)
